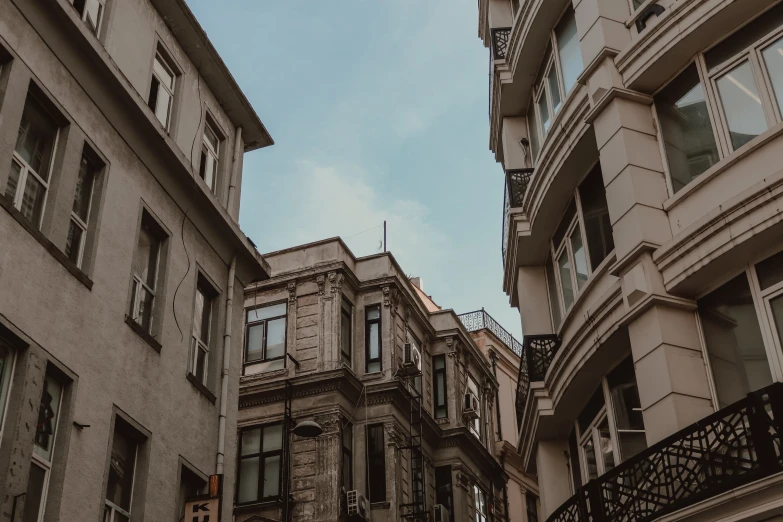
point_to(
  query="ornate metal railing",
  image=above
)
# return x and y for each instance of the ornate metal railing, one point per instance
(517, 181)
(538, 351)
(480, 319)
(736, 445)
(500, 42)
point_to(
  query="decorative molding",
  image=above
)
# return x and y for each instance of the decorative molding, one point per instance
(336, 282)
(320, 280)
(292, 292)
(395, 435)
(330, 422)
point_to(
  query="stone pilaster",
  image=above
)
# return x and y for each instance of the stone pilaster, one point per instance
(327, 469)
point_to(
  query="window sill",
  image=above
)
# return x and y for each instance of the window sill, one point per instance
(374, 376)
(44, 241)
(201, 388)
(253, 506)
(144, 335)
(380, 505)
(442, 420)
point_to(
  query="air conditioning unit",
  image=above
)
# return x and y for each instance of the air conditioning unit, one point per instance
(471, 407)
(357, 505)
(411, 362)
(441, 513)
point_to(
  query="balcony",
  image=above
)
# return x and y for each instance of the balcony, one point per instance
(479, 320)
(734, 446)
(538, 351)
(517, 181)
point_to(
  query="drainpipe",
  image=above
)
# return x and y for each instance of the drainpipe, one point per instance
(226, 365)
(494, 359)
(232, 186)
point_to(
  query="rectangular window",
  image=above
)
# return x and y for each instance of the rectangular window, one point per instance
(480, 504)
(568, 50)
(627, 409)
(202, 329)
(376, 464)
(146, 266)
(416, 345)
(80, 211)
(554, 299)
(7, 360)
(260, 454)
(161, 99)
(443, 489)
(210, 155)
(531, 504)
(535, 140)
(190, 485)
(373, 349)
(741, 104)
(91, 13)
(595, 212)
(346, 331)
(43, 448)
(475, 424)
(123, 466)
(31, 162)
(266, 336)
(347, 462)
(439, 386)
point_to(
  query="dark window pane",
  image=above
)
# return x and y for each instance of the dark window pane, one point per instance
(373, 312)
(35, 490)
(121, 468)
(564, 225)
(591, 410)
(376, 477)
(554, 300)
(598, 226)
(36, 136)
(83, 193)
(443, 489)
(266, 312)
(251, 441)
(770, 271)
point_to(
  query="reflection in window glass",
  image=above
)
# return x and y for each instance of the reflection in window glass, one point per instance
(686, 128)
(564, 267)
(580, 259)
(741, 105)
(568, 48)
(605, 440)
(734, 343)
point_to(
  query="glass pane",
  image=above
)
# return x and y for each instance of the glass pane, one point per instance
(607, 452)
(35, 140)
(345, 335)
(554, 88)
(741, 105)
(273, 437)
(145, 259)
(686, 128)
(373, 367)
(744, 38)
(734, 343)
(580, 258)
(591, 410)
(532, 125)
(121, 470)
(275, 342)
(625, 397)
(73, 242)
(777, 312)
(33, 199)
(564, 267)
(440, 390)
(258, 314)
(48, 413)
(271, 476)
(543, 111)
(439, 362)
(248, 479)
(373, 312)
(163, 73)
(569, 51)
(6, 364)
(211, 138)
(162, 107)
(592, 464)
(210, 165)
(13, 180)
(598, 226)
(202, 316)
(36, 482)
(143, 315)
(92, 14)
(83, 193)
(251, 441)
(374, 340)
(554, 300)
(770, 271)
(201, 365)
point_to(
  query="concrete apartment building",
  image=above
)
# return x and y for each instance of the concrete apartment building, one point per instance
(643, 246)
(403, 397)
(121, 136)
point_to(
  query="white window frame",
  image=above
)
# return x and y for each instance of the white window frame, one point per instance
(577, 222)
(166, 65)
(83, 225)
(474, 425)
(96, 28)
(114, 508)
(479, 499)
(211, 152)
(199, 345)
(41, 462)
(139, 283)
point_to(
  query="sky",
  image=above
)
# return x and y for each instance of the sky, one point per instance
(379, 111)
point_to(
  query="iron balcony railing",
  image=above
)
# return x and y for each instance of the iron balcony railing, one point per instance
(500, 42)
(478, 320)
(734, 446)
(539, 351)
(517, 181)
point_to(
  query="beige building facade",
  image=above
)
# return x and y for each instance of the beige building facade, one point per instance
(643, 248)
(403, 395)
(121, 140)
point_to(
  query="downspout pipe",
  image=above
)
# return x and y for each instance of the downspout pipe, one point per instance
(221, 452)
(494, 358)
(232, 185)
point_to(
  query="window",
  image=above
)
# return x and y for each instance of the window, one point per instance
(568, 50)
(91, 13)
(547, 95)
(376, 464)
(568, 251)
(190, 485)
(161, 99)
(475, 425)
(480, 504)
(202, 329)
(346, 331)
(146, 265)
(444, 494)
(123, 465)
(595, 214)
(439, 386)
(417, 476)
(417, 346)
(373, 349)
(595, 439)
(43, 449)
(80, 212)
(210, 154)
(7, 360)
(347, 463)
(260, 454)
(627, 409)
(31, 162)
(636, 4)
(531, 504)
(266, 337)
(699, 126)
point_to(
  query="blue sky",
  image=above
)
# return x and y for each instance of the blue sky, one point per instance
(378, 109)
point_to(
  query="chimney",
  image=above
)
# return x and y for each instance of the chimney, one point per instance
(416, 281)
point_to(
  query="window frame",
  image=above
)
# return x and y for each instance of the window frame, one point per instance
(475, 425)
(348, 485)
(166, 63)
(480, 504)
(262, 456)
(210, 296)
(161, 235)
(436, 373)
(42, 462)
(367, 323)
(75, 219)
(214, 152)
(96, 29)
(346, 358)
(565, 245)
(265, 322)
(382, 431)
(6, 383)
